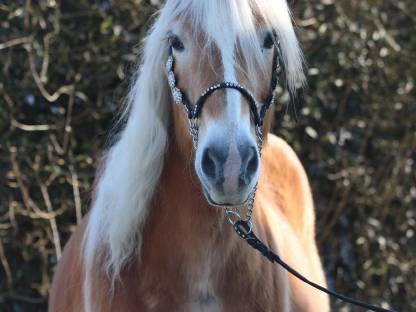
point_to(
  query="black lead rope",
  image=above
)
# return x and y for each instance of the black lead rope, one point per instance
(244, 230)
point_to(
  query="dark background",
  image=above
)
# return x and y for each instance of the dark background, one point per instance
(64, 68)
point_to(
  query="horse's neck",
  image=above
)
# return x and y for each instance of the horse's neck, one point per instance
(182, 227)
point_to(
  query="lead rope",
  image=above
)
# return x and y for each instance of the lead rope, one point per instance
(244, 230)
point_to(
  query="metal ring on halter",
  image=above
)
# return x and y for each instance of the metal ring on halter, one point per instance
(230, 213)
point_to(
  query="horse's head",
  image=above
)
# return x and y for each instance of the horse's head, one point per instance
(227, 159)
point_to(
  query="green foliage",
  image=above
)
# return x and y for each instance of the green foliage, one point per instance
(64, 69)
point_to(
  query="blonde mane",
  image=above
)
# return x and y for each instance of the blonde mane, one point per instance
(133, 165)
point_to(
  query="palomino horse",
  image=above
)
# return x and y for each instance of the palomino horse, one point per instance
(153, 240)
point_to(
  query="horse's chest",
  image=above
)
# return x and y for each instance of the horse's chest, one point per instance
(207, 302)
(202, 296)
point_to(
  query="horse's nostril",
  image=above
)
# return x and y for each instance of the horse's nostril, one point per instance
(253, 162)
(208, 164)
(250, 164)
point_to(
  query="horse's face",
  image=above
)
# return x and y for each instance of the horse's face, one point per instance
(227, 160)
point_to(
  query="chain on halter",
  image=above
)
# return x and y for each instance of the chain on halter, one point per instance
(258, 112)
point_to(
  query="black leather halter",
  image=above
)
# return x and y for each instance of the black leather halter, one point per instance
(194, 110)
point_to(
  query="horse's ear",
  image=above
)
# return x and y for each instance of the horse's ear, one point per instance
(297, 101)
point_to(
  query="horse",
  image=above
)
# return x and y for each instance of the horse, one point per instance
(157, 236)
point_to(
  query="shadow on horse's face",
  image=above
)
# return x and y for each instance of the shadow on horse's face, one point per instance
(227, 160)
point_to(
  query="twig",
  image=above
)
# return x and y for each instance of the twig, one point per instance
(49, 97)
(68, 119)
(52, 221)
(26, 127)
(15, 42)
(75, 189)
(307, 22)
(6, 265)
(45, 60)
(58, 148)
(388, 37)
(28, 12)
(77, 197)
(27, 200)
(39, 214)
(12, 214)
(8, 100)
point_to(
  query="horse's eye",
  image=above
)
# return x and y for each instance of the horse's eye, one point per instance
(176, 43)
(268, 41)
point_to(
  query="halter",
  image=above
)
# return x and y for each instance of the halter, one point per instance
(258, 112)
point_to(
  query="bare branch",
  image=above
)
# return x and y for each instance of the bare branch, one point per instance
(49, 97)
(68, 119)
(54, 227)
(6, 266)
(26, 127)
(28, 202)
(77, 197)
(15, 42)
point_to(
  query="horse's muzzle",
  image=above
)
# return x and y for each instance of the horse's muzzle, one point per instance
(227, 173)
